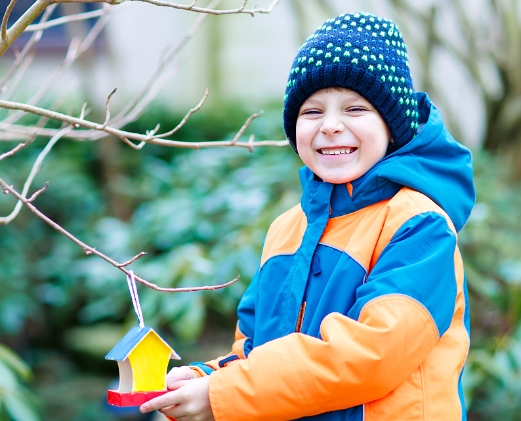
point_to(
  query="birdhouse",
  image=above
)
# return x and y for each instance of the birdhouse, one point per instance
(142, 357)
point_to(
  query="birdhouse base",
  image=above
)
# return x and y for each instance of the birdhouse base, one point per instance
(131, 399)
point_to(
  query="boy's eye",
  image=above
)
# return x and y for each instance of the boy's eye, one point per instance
(311, 111)
(356, 109)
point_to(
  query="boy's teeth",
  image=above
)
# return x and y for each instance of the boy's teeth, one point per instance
(339, 151)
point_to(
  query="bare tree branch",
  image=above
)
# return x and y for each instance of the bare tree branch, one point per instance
(8, 11)
(91, 250)
(210, 11)
(38, 193)
(128, 262)
(25, 51)
(107, 108)
(9, 35)
(17, 76)
(152, 139)
(82, 113)
(132, 145)
(81, 129)
(76, 48)
(244, 127)
(137, 104)
(34, 170)
(19, 26)
(16, 149)
(70, 18)
(183, 121)
(29, 17)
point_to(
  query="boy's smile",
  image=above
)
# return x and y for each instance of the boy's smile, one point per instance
(340, 135)
(336, 151)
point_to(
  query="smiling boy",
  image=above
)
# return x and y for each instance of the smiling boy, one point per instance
(340, 135)
(358, 310)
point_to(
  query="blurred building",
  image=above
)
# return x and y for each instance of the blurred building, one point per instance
(239, 58)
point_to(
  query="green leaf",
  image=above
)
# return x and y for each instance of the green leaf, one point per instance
(20, 408)
(12, 361)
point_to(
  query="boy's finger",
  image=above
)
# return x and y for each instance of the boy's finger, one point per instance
(168, 399)
(185, 372)
(176, 384)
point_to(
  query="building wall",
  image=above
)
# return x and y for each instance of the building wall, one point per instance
(237, 57)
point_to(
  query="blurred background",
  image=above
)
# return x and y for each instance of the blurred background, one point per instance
(201, 215)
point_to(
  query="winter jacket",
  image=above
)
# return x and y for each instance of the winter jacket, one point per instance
(359, 309)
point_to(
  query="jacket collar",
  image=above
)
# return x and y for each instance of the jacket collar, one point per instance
(340, 199)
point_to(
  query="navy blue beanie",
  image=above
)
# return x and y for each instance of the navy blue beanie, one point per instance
(363, 53)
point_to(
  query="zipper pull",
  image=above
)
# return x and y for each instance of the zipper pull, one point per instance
(315, 265)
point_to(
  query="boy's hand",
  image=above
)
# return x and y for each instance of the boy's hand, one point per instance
(188, 402)
(178, 374)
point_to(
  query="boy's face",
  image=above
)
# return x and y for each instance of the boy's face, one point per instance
(340, 135)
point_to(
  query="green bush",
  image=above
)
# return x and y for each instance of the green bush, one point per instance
(491, 247)
(17, 403)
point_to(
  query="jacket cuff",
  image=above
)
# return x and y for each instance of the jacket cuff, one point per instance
(201, 369)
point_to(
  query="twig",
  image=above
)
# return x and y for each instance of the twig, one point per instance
(93, 33)
(137, 104)
(107, 108)
(71, 18)
(250, 142)
(183, 121)
(76, 48)
(8, 11)
(19, 26)
(128, 262)
(137, 147)
(27, 48)
(14, 80)
(38, 192)
(16, 149)
(34, 170)
(91, 250)
(83, 111)
(210, 11)
(245, 126)
(154, 131)
(187, 289)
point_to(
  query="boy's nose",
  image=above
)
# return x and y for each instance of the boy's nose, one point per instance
(332, 125)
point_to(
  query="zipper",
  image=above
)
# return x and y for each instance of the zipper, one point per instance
(300, 319)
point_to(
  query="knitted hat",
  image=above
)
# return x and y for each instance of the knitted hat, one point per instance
(363, 53)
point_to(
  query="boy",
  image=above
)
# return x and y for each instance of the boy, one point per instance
(358, 310)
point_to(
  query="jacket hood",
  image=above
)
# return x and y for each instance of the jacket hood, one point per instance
(432, 163)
